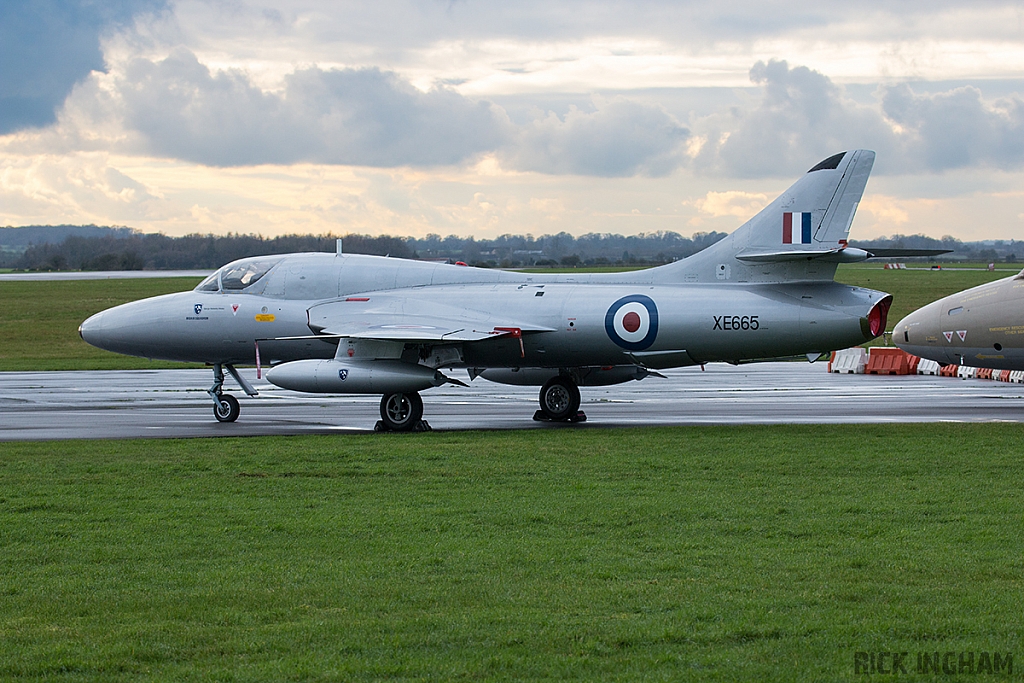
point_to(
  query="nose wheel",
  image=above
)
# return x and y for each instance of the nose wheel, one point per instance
(225, 406)
(560, 401)
(226, 409)
(401, 412)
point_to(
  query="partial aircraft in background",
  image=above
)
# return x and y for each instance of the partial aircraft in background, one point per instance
(981, 327)
(344, 323)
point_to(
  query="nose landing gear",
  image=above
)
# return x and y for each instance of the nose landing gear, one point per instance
(560, 401)
(225, 406)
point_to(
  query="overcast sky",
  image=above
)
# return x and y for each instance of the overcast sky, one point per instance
(484, 118)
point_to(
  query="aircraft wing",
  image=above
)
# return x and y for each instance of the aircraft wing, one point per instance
(384, 317)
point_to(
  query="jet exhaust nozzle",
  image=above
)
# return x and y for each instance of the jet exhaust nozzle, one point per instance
(354, 377)
(873, 326)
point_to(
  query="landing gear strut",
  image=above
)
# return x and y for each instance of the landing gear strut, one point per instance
(225, 406)
(560, 401)
(401, 412)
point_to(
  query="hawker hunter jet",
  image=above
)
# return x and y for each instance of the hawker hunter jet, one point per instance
(353, 324)
(981, 327)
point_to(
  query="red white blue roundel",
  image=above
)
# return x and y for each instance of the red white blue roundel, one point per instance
(632, 322)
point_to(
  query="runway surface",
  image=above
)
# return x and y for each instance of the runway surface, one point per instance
(102, 275)
(173, 403)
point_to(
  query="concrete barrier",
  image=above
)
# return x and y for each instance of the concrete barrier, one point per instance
(887, 360)
(966, 372)
(928, 367)
(850, 361)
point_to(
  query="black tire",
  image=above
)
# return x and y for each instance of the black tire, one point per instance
(227, 408)
(401, 412)
(559, 398)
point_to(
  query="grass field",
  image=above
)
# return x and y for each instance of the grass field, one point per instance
(732, 553)
(39, 322)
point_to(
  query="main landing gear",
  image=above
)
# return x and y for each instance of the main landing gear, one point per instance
(225, 406)
(401, 412)
(560, 401)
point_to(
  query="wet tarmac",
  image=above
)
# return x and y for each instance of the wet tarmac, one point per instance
(174, 403)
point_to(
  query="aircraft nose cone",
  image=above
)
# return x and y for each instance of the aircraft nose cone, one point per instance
(90, 328)
(119, 329)
(914, 328)
(919, 334)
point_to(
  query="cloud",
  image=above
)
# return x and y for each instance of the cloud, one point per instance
(620, 138)
(370, 117)
(956, 128)
(801, 116)
(362, 117)
(731, 203)
(46, 46)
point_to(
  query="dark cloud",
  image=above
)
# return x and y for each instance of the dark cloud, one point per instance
(46, 46)
(619, 138)
(363, 117)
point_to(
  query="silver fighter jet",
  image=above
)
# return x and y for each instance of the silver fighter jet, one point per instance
(981, 327)
(352, 324)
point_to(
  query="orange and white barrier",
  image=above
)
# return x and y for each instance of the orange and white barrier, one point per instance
(928, 367)
(888, 360)
(850, 361)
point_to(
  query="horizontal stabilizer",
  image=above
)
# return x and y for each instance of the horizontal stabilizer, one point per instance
(905, 253)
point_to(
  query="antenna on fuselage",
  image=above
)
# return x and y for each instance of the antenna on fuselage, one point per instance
(338, 252)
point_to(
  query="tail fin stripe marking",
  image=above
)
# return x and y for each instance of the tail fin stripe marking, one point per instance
(805, 228)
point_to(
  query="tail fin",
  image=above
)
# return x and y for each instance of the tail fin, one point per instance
(800, 236)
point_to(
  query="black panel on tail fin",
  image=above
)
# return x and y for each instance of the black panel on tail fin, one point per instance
(829, 164)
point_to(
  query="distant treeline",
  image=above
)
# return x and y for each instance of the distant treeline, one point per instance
(126, 249)
(137, 251)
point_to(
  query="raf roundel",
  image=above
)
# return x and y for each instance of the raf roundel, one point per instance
(632, 322)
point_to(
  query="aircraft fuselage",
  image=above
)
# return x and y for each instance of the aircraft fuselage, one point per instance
(981, 327)
(658, 325)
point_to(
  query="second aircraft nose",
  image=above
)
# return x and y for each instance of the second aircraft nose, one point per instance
(90, 328)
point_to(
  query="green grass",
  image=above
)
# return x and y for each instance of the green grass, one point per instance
(39, 322)
(721, 553)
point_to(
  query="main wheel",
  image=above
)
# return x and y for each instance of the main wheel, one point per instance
(559, 398)
(227, 408)
(401, 412)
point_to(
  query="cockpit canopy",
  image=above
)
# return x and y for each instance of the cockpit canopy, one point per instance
(238, 275)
